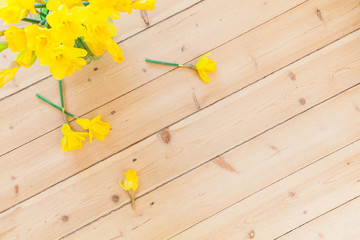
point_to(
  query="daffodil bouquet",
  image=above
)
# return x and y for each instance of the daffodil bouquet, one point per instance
(65, 35)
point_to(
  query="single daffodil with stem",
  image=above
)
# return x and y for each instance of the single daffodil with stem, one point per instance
(203, 66)
(131, 183)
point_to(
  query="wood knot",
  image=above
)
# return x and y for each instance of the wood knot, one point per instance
(292, 76)
(144, 70)
(302, 101)
(11, 127)
(252, 234)
(113, 112)
(152, 204)
(65, 218)
(291, 194)
(134, 160)
(17, 189)
(165, 136)
(183, 48)
(318, 13)
(115, 198)
(305, 212)
(95, 69)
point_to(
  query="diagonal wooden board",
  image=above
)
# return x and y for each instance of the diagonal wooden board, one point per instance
(128, 25)
(89, 89)
(340, 223)
(47, 170)
(153, 154)
(286, 204)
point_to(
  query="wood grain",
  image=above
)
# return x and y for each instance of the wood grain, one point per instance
(188, 139)
(340, 223)
(286, 204)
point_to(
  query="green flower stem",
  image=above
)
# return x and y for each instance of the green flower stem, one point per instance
(62, 101)
(61, 94)
(41, 14)
(39, 5)
(31, 20)
(54, 105)
(132, 198)
(163, 63)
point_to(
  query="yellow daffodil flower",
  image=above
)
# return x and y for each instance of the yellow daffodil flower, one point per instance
(96, 127)
(99, 36)
(16, 38)
(123, 6)
(53, 5)
(8, 74)
(131, 183)
(64, 61)
(205, 66)
(72, 140)
(144, 4)
(26, 58)
(106, 7)
(115, 51)
(12, 11)
(66, 24)
(41, 40)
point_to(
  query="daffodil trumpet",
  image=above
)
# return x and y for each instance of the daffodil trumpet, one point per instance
(54, 105)
(203, 66)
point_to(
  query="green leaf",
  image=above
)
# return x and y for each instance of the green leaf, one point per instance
(3, 46)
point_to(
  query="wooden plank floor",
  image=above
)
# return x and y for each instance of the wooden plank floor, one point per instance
(269, 149)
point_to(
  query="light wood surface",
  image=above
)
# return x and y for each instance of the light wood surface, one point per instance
(269, 149)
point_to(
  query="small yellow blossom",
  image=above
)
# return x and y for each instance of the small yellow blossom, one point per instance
(41, 40)
(12, 11)
(66, 24)
(64, 61)
(106, 7)
(26, 58)
(72, 140)
(205, 66)
(2, 33)
(16, 38)
(131, 183)
(144, 4)
(96, 127)
(53, 5)
(123, 6)
(8, 74)
(99, 36)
